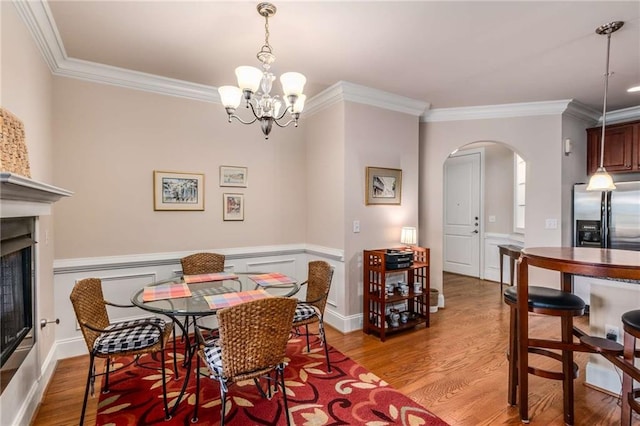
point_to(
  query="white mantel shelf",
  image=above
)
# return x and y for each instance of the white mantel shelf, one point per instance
(21, 196)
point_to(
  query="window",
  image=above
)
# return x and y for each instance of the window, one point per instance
(519, 190)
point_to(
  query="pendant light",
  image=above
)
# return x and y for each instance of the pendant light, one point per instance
(601, 180)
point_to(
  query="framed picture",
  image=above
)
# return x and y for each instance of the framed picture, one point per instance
(233, 176)
(233, 206)
(178, 191)
(384, 186)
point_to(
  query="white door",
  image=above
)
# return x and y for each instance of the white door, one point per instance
(462, 214)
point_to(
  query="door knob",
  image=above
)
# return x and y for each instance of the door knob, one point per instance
(475, 231)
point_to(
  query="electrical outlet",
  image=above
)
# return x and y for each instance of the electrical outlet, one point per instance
(611, 332)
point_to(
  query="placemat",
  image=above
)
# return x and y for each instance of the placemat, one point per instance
(271, 279)
(219, 301)
(216, 276)
(165, 291)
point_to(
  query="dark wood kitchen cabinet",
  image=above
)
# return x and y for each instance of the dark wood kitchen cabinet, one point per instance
(621, 148)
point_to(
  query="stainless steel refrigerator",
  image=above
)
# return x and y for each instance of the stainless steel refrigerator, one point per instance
(608, 219)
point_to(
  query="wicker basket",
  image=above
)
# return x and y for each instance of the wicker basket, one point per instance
(13, 148)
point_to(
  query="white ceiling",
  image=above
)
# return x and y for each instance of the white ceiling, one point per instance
(446, 53)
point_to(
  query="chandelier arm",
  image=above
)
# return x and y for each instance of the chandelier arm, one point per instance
(293, 120)
(241, 120)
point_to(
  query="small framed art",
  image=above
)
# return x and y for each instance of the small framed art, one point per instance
(384, 186)
(233, 206)
(233, 176)
(178, 191)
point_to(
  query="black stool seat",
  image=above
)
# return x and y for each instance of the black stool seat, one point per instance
(632, 319)
(550, 298)
(546, 301)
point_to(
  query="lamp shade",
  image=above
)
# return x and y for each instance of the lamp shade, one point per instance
(249, 78)
(292, 83)
(298, 106)
(601, 181)
(408, 235)
(230, 96)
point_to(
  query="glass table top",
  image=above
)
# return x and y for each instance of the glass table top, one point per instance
(197, 305)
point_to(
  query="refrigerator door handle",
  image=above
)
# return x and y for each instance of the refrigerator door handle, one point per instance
(606, 219)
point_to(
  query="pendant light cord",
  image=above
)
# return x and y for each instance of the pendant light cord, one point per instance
(604, 107)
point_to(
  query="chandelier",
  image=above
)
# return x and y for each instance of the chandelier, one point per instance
(601, 180)
(254, 85)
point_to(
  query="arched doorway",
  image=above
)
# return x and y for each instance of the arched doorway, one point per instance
(487, 172)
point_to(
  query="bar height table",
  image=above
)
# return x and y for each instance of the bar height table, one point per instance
(569, 261)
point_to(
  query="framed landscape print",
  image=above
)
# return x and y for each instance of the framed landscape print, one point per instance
(233, 176)
(178, 191)
(232, 206)
(384, 186)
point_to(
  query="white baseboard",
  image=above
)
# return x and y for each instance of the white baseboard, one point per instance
(607, 379)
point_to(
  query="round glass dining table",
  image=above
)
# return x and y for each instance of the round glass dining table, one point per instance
(196, 305)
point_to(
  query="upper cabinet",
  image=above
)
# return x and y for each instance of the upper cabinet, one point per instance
(621, 148)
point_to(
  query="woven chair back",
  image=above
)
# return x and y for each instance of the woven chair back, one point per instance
(88, 303)
(254, 335)
(202, 263)
(319, 283)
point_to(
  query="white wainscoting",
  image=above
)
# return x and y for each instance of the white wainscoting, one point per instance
(122, 276)
(492, 254)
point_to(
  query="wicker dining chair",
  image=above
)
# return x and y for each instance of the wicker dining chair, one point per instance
(311, 310)
(252, 345)
(202, 263)
(106, 340)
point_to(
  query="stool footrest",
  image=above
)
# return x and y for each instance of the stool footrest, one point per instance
(602, 345)
(547, 374)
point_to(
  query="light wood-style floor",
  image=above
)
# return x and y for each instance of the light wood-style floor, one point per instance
(456, 368)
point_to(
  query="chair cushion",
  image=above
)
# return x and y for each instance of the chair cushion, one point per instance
(213, 358)
(632, 319)
(547, 298)
(304, 311)
(143, 335)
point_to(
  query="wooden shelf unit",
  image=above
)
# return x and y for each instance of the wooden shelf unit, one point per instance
(376, 302)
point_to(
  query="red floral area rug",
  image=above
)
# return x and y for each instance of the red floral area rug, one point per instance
(349, 395)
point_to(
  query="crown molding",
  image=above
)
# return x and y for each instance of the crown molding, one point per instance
(527, 109)
(621, 115)
(106, 74)
(344, 91)
(39, 21)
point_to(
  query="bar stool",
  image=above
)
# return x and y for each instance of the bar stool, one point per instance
(631, 326)
(546, 301)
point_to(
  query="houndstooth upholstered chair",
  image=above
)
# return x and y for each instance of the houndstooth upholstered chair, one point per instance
(311, 310)
(252, 345)
(106, 340)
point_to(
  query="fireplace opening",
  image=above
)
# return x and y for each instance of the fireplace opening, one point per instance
(16, 294)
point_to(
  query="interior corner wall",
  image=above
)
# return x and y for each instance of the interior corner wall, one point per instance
(536, 139)
(26, 91)
(498, 188)
(325, 174)
(574, 169)
(110, 139)
(376, 137)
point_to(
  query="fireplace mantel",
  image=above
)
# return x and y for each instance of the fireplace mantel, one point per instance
(23, 197)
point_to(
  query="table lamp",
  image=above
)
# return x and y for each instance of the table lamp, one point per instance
(408, 236)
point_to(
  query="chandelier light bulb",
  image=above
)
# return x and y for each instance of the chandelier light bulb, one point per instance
(249, 78)
(292, 83)
(231, 96)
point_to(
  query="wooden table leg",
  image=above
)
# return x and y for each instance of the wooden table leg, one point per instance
(523, 339)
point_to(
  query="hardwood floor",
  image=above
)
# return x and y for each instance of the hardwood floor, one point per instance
(457, 368)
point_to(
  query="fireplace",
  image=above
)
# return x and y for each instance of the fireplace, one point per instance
(16, 293)
(22, 201)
